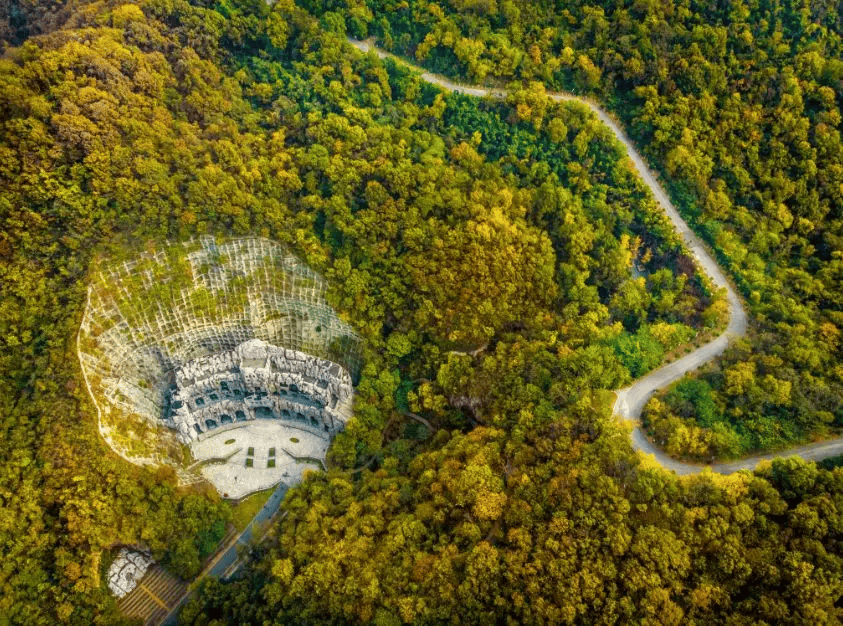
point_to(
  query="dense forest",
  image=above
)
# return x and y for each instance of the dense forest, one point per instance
(505, 268)
(738, 105)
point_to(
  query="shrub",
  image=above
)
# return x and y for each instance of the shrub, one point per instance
(640, 352)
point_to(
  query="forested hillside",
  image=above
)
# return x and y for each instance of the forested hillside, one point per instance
(505, 268)
(738, 105)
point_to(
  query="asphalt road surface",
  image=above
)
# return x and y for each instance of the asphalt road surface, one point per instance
(230, 561)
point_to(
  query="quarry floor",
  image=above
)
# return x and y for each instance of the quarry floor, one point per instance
(238, 461)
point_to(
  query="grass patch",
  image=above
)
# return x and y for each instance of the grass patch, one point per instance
(242, 513)
(272, 452)
(250, 462)
(186, 455)
(270, 463)
(251, 451)
(229, 441)
(294, 439)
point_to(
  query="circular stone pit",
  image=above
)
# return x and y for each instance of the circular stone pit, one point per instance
(188, 340)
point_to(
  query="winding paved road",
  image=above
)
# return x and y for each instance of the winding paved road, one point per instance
(631, 400)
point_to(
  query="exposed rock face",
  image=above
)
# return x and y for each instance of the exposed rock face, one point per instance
(258, 380)
(175, 323)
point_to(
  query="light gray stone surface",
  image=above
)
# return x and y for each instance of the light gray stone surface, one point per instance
(126, 570)
(259, 381)
(224, 456)
(194, 303)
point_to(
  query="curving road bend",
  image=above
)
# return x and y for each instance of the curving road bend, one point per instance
(631, 400)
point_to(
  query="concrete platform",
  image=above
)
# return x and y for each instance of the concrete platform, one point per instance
(225, 458)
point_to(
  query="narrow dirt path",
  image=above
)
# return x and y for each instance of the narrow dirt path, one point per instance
(631, 400)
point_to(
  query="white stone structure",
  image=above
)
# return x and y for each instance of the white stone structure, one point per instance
(257, 380)
(168, 330)
(126, 570)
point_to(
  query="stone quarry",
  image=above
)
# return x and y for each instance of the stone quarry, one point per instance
(190, 340)
(259, 381)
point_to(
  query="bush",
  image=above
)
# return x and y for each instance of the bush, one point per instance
(198, 529)
(640, 352)
(693, 398)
